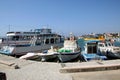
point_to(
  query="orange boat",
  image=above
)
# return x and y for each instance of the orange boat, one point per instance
(101, 38)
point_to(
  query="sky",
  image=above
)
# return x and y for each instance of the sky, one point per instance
(62, 16)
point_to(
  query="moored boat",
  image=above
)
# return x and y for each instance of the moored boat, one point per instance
(89, 50)
(70, 50)
(30, 56)
(40, 42)
(109, 50)
(51, 54)
(100, 38)
(44, 56)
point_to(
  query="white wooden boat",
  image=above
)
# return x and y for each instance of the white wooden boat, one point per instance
(49, 55)
(29, 56)
(44, 56)
(70, 51)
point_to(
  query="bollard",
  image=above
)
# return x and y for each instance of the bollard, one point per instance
(2, 76)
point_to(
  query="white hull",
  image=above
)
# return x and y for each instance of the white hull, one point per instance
(63, 57)
(47, 56)
(29, 56)
(24, 50)
(70, 50)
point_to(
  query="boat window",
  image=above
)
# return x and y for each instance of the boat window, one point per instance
(91, 48)
(52, 40)
(101, 45)
(20, 45)
(15, 38)
(47, 41)
(10, 32)
(38, 42)
(56, 40)
(106, 45)
(109, 44)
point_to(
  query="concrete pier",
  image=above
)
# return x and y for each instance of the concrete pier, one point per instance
(91, 66)
(17, 69)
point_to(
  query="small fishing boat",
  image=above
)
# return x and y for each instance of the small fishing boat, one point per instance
(70, 50)
(30, 56)
(51, 54)
(44, 56)
(109, 50)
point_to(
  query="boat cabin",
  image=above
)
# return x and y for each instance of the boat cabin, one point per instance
(89, 46)
(44, 36)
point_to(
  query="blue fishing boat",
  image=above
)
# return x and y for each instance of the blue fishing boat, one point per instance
(93, 56)
(89, 50)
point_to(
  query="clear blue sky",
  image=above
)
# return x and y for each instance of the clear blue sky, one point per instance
(63, 16)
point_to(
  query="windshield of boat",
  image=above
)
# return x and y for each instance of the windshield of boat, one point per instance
(108, 44)
(100, 45)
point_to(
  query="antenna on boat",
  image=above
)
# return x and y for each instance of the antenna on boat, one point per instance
(8, 38)
(9, 28)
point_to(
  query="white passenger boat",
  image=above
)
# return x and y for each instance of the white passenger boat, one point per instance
(42, 40)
